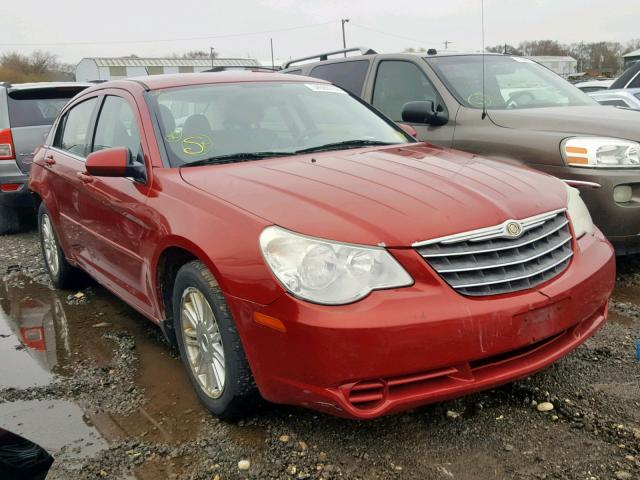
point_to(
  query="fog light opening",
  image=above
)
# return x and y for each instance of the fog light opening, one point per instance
(622, 194)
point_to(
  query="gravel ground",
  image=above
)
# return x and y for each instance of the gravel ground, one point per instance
(140, 419)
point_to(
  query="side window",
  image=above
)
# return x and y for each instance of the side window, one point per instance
(399, 82)
(347, 75)
(117, 127)
(73, 133)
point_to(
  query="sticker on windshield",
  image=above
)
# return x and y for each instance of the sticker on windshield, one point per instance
(173, 137)
(523, 60)
(196, 145)
(324, 87)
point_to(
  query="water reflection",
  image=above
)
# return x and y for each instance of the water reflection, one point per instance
(34, 334)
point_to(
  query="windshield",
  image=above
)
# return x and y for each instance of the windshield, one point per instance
(510, 83)
(219, 122)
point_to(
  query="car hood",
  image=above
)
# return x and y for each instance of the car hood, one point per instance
(587, 120)
(393, 195)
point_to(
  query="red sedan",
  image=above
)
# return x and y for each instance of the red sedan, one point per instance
(294, 242)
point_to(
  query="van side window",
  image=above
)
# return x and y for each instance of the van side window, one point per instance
(347, 75)
(399, 82)
(73, 133)
(117, 127)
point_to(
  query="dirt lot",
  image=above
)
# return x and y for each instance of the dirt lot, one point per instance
(95, 383)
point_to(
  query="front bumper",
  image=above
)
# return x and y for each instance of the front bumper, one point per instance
(401, 348)
(620, 222)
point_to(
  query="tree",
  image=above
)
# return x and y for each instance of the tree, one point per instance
(506, 48)
(37, 67)
(543, 48)
(195, 54)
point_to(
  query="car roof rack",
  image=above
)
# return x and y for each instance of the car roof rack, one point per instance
(325, 56)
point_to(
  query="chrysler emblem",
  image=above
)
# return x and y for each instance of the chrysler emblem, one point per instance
(514, 229)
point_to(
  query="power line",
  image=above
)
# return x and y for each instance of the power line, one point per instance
(389, 34)
(208, 37)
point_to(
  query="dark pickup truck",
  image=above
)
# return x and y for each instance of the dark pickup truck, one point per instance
(533, 117)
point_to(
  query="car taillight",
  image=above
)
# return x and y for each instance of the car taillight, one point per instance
(6, 145)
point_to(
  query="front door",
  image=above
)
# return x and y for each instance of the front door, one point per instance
(113, 211)
(400, 81)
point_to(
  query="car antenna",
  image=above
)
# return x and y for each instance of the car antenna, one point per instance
(484, 97)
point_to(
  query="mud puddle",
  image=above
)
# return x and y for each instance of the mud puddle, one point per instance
(79, 359)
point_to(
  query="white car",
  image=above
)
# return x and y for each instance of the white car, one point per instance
(623, 98)
(594, 85)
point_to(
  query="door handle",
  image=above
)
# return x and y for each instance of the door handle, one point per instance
(84, 177)
(49, 160)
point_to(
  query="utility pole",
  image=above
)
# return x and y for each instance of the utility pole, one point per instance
(344, 39)
(273, 66)
(211, 54)
(446, 44)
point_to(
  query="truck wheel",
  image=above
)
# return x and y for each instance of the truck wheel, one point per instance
(60, 271)
(9, 220)
(209, 344)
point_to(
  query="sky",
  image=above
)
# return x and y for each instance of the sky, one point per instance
(74, 29)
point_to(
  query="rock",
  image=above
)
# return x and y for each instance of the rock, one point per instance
(79, 295)
(545, 407)
(623, 475)
(451, 415)
(291, 469)
(284, 438)
(508, 448)
(244, 465)
(631, 458)
(101, 324)
(302, 446)
(636, 433)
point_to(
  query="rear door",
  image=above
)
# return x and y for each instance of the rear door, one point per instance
(63, 160)
(32, 111)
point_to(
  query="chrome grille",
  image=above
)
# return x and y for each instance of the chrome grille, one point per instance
(490, 261)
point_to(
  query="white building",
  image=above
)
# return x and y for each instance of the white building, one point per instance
(102, 68)
(563, 66)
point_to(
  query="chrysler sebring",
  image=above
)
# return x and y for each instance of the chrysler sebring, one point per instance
(295, 243)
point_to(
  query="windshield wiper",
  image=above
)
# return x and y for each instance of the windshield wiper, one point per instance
(343, 145)
(236, 157)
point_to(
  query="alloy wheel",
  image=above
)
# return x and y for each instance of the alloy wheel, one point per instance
(202, 342)
(50, 245)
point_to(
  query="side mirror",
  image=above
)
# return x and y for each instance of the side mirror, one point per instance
(408, 129)
(424, 112)
(114, 162)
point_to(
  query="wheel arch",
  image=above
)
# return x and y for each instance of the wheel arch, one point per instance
(170, 257)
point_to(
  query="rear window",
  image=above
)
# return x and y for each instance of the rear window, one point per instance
(347, 75)
(35, 107)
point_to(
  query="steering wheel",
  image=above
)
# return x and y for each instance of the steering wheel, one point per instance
(520, 99)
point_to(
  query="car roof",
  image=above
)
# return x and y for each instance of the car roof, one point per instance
(156, 82)
(42, 85)
(594, 83)
(617, 91)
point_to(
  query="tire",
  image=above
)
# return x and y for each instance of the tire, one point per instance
(229, 392)
(9, 220)
(60, 271)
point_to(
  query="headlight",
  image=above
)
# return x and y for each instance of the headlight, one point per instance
(326, 272)
(601, 152)
(578, 213)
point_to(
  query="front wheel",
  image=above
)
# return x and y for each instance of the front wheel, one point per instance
(60, 271)
(209, 344)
